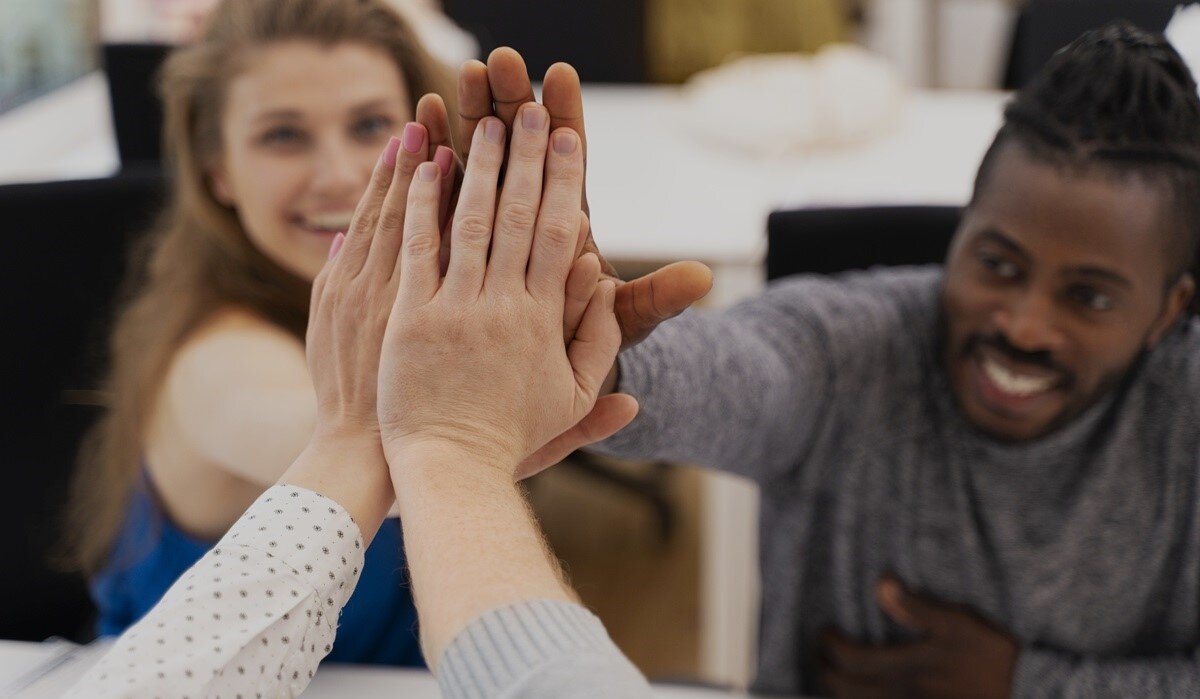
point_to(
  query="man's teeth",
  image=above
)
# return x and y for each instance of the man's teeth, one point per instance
(327, 222)
(1013, 383)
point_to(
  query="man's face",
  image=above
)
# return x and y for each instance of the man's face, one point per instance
(1054, 285)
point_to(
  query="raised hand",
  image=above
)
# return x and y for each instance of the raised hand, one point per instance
(959, 656)
(475, 361)
(498, 89)
(351, 302)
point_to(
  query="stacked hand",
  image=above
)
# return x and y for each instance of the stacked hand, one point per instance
(476, 360)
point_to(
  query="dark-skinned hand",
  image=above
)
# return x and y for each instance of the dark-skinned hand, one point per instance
(499, 88)
(957, 655)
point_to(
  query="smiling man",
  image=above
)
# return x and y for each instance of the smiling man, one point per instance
(981, 479)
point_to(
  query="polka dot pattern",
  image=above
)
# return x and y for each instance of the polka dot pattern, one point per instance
(254, 616)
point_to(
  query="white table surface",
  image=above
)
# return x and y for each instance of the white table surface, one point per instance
(61, 664)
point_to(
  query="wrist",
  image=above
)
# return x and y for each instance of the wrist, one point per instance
(348, 467)
(447, 458)
(333, 436)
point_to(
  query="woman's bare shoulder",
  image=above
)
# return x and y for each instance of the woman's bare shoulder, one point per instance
(238, 391)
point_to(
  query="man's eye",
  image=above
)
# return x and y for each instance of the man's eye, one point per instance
(372, 126)
(999, 266)
(1090, 298)
(283, 135)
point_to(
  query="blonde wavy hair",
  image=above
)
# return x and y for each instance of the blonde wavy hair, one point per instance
(198, 259)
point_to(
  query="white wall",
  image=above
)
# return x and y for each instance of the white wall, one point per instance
(943, 43)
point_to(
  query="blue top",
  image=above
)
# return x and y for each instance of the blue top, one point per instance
(378, 624)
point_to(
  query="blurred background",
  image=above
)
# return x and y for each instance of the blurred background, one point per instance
(763, 137)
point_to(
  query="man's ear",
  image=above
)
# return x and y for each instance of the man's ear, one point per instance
(1179, 298)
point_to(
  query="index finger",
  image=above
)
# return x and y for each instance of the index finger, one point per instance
(868, 660)
(431, 113)
(474, 101)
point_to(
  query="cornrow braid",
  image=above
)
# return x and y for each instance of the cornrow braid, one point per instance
(1119, 98)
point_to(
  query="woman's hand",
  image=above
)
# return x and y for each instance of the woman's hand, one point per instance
(476, 362)
(351, 301)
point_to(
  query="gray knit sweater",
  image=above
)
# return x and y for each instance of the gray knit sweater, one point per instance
(1085, 545)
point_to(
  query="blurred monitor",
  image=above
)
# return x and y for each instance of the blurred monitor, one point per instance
(1045, 26)
(132, 73)
(604, 39)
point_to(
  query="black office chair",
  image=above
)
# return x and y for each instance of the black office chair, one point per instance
(827, 241)
(132, 73)
(1045, 26)
(65, 257)
(604, 39)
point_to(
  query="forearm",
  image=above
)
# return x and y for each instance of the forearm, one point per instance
(720, 390)
(1045, 673)
(348, 467)
(256, 614)
(471, 542)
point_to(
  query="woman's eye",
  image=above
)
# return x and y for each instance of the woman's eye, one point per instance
(283, 135)
(999, 266)
(372, 126)
(1091, 298)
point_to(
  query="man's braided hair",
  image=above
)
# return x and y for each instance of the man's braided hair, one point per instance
(1121, 99)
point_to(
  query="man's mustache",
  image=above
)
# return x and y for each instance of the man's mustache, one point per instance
(1001, 344)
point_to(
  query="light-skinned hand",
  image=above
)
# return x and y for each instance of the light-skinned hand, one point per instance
(476, 361)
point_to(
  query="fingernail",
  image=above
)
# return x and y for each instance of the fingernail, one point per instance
(428, 172)
(390, 150)
(444, 157)
(336, 244)
(413, 137)
(564, 142)
(610, 294)
(493, 130)
(533, 118)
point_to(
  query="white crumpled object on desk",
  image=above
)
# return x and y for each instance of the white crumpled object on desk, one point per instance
(775, 103)
(1184, 34)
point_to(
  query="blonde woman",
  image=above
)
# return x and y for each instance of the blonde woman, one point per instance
(275, 119)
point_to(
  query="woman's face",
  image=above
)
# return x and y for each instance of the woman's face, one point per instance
(302, 129)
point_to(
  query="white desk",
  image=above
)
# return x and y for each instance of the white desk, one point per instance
(658, 194)
(46, 670)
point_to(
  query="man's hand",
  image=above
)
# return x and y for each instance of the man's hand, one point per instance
(958, 656)
(498, 89)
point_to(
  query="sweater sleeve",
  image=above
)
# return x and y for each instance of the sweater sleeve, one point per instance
(748, 389)
(537, 649)
(740, 390)
(1048, 673)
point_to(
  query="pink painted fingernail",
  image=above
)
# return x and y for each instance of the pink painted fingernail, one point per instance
(428, 172)
(493, 130)
(564, 142)
(336, 245)
(444, 157)
(413, 136)
(390, 150)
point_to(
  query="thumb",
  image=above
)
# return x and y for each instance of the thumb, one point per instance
(611, 414)
(911, 611)
(665, 293)
(595, 346)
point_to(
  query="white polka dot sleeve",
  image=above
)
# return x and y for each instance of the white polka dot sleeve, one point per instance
(254, 616)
